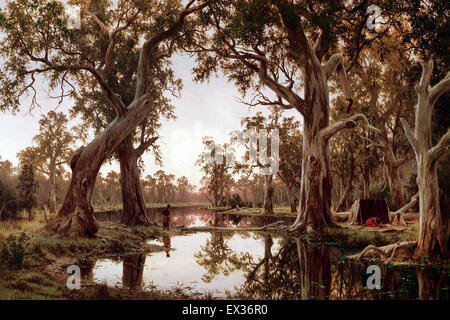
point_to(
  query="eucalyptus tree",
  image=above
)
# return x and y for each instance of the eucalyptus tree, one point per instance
(213, 162)
(54, 145)
(259, 122)
(277, 47)
(433, 231)
(39, 42)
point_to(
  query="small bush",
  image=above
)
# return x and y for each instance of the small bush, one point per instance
(13, 251)
(236, 201)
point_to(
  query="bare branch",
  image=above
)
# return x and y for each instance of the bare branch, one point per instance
(144, 146)
(336, 63)
(439, 89)
(440, 149)
(151, 44)
(327, 132)
(409, 134)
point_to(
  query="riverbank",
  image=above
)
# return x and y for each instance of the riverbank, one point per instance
(38, 259)
(34, 261)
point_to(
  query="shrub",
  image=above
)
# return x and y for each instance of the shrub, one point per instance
(13, 251)
(236, 201)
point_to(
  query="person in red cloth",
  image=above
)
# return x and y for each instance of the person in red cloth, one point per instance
(373, 222)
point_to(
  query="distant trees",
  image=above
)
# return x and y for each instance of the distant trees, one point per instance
(53, 148)
(9, 204)
(183, 188)
(217, 177)
(27, 188)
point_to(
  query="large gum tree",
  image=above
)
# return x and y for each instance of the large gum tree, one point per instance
(39, 43)
(433, 232)
(287, 50)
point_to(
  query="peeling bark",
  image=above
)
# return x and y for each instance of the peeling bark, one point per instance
(432, 234)
(52, 183)
(268, 194)
(134, 211)
(75, 217)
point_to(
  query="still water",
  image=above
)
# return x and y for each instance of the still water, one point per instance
(251, 265)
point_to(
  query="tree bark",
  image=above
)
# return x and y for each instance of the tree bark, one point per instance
(75, 217)
(292, 199)
(52, 182)
(134, 210)
(268, 193)
(432, 234)
(341, 206)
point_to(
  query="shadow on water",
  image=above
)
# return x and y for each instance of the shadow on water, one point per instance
(250, 265)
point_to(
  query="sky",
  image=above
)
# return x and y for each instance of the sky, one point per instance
(203, 109)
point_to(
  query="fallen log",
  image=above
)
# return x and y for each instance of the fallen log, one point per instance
(387, 251)
(276, 226)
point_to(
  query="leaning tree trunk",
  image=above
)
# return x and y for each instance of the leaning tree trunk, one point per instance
(52, 182)
(134, 211)
(268, 194)
(75, 217)
(432, 234)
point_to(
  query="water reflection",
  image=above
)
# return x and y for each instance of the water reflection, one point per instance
(166, 242)
(260, 266)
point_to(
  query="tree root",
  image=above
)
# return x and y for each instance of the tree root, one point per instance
(387, 251)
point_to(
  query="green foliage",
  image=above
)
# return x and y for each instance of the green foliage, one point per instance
(9, 204)
(27, 188)
(13, 251)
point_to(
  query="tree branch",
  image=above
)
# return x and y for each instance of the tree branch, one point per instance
(409, 134)
(439, 89)
(151, 44)
(336, 63)
(440, 149)
(327, 132)
(144, 146)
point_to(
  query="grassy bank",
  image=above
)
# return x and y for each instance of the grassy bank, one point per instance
(34, 261)
(154, 206)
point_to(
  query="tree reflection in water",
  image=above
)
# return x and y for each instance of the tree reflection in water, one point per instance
(313, 270)
(133, 270)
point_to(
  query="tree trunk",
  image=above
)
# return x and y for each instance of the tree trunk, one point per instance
(268, 193)
(292, 199)
(134, 211)
(366, 178)
(393, 175)
(433, 233)
(341, 206)
(52, 183)
(75, 217)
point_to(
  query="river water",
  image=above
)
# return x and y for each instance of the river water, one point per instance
(250, 265)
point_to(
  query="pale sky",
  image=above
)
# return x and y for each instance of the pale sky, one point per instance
(206, 109)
